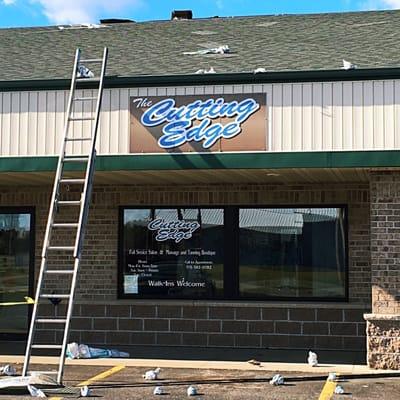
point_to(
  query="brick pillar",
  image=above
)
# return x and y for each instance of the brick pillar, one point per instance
(383, 324)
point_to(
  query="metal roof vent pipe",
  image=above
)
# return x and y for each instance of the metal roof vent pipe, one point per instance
(182, 14)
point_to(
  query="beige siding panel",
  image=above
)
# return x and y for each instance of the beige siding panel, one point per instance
(327, 118)
(50, 123)
(397, 114)
(5, 136)
(304, 116)
(307, 114)
(124, 122)
(368, 113)
(388, 88)
(347, 116)
(317, 117)
(297, 127)
(104, 139)
(287, 119)
(337, 115)
(23, 124)
(114, 122)
(14, 123)
(379, 123)
(358, 120)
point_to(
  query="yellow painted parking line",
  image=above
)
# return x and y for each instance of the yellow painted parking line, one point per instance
(328, 390)
(103, 375)
(95, 378)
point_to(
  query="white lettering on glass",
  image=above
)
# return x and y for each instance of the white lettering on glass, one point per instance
(175, 230)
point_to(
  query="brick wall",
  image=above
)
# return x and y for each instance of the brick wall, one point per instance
(383, 325)
(101, 318)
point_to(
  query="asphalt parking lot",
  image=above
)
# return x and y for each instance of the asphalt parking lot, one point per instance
(128, 383)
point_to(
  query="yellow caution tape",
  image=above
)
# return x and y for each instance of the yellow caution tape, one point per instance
(28, 300)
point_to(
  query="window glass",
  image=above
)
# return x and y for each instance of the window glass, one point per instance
(15, 258)
(174, 252)
(292, 252)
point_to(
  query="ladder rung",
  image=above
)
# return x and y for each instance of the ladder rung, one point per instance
(61, 248)
(81, 118)
(78, 139)
(60, 271)
(66, 225)
(83, 79)
(72, 180)
(68, 202)
(46, 346)
(51, 320)
(84, 98)
(54, 296)
(91, 60)
(76, 159)
(42, 372)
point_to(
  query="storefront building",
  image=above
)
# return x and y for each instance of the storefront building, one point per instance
(238, 209)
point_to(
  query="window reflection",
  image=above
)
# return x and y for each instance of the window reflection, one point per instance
(292, 252)
(15, 244)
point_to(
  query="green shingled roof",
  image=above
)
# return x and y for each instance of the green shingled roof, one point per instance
(276, 43)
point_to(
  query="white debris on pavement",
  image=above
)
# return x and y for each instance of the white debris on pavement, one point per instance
(7, 370)
(312, 359)
(215, 50)
(158, 391)
(339, 390)
(191, 391)
(277, 380)
(348, 65)
(85, 391)
(35, 392)
(332, 376)
(152, 375)
(84, 72)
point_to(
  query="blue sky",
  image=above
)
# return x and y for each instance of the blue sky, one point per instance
(49, 12)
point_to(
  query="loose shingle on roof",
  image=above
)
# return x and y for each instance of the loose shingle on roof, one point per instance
(276, 43)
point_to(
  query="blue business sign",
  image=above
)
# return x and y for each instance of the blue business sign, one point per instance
(198, 123)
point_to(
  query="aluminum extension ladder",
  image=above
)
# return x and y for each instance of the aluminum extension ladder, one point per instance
(57, 203)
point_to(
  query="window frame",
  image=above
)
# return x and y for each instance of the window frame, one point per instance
(231, 265)
(31, 273)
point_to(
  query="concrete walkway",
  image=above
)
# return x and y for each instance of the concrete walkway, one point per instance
(200, 364)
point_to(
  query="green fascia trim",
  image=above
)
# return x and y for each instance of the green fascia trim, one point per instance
(165, 162)
(208, 79)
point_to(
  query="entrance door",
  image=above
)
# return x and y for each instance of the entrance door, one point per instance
(16, 270)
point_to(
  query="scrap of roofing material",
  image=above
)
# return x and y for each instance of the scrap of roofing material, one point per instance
(152, 375)
(19, 384)
(28, 300)
(84, 72)
(8, 370)
(216, 50)
(191, 391)
(312, 359)
(277, 380)
(75, 350)
(206, 71)
(259, 71)
(348, 65)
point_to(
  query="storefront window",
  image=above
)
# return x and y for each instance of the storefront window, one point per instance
(233, 253)
(292, 252)
(15, 265)
(173, 252)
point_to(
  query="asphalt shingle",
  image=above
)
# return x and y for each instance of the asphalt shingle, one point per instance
(276, 43)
